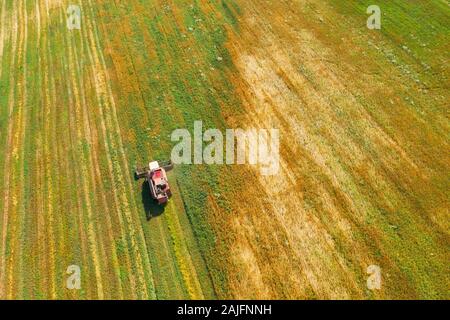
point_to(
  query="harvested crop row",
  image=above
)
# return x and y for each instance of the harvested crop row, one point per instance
(66, 177)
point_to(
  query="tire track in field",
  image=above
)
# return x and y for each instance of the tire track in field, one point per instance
(182, 254)
(115, 198)
(61, 164)
(57, 151)
(52, 163)
(38, 248)
(17, 221)
(105, 137)
(85, 200)
(43, 247)
(104, 91)
(93, 240)
(44, 233)
(98, 179)
(32, 239)
(16, 157)
(90, 243)
(12, 35)
(37, 10)
(10, 200)
(24, 277)
(18, 270)
(2, 32)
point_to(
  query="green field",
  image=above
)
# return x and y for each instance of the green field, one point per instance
(365, 137)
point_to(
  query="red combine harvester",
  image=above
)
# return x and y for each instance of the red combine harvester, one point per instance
(156, 176)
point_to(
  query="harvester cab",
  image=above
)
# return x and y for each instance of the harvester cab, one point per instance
(156, 177)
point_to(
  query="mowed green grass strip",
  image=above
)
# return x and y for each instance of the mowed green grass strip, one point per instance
(30, 150)
(16, 210)
(16, 223)
(84, 207)
(5, 87)
(57, 205)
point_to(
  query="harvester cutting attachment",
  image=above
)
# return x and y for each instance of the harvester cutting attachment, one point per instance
(141, 173)
(166, 165)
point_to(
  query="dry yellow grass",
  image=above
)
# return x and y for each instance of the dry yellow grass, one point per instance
(351, 191)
